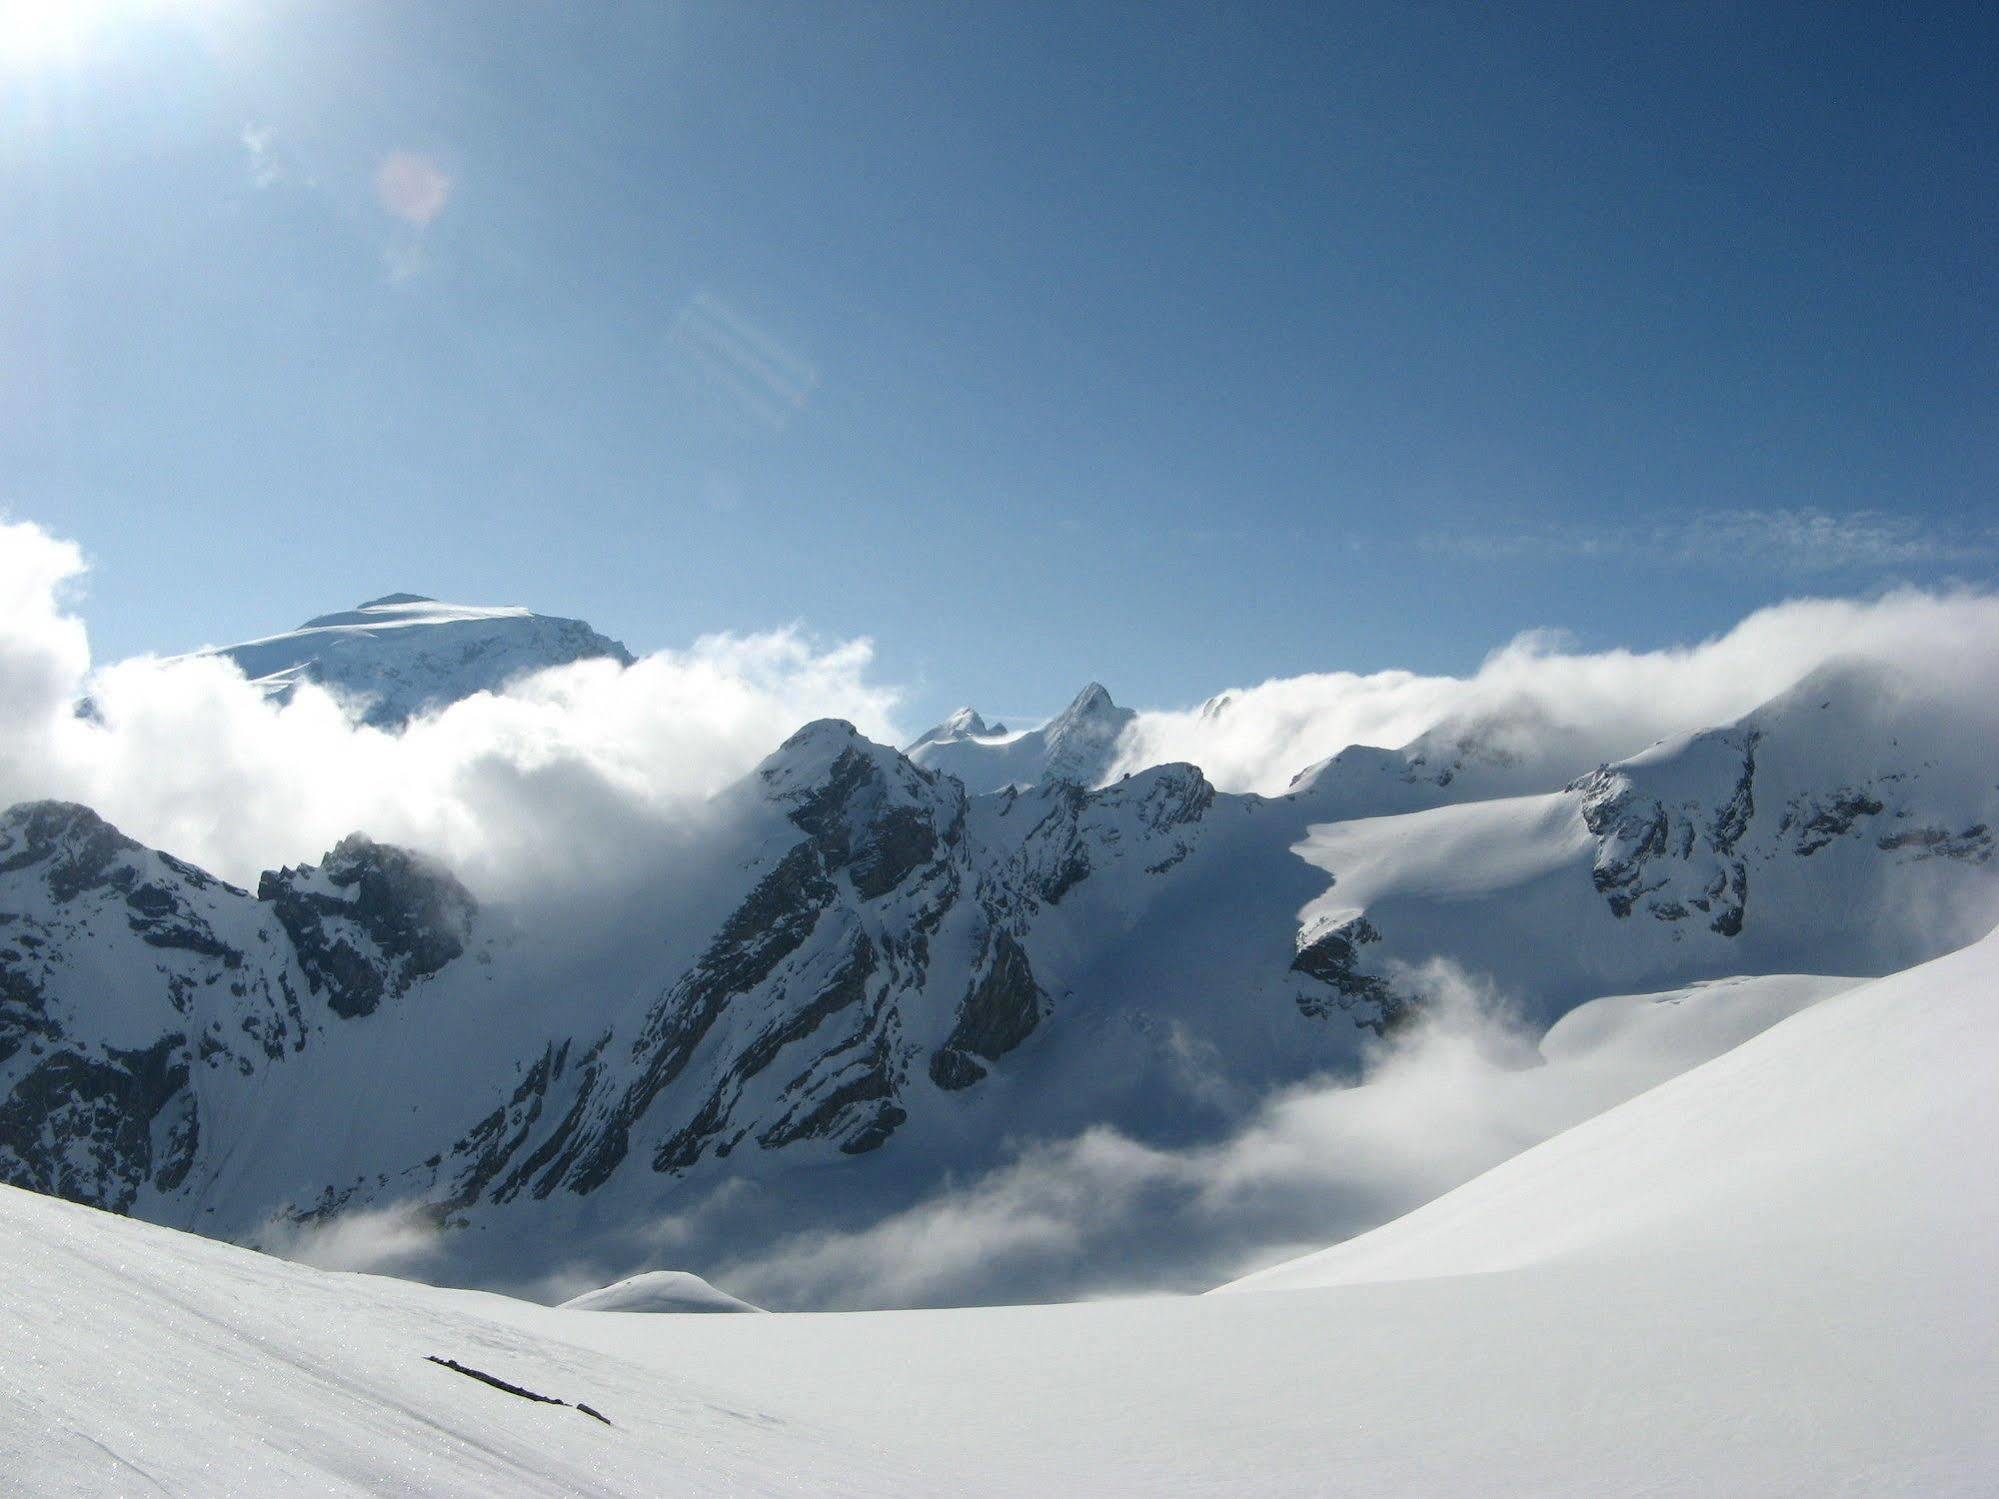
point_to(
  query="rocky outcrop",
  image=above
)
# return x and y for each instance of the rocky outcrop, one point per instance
(999, 1011)
(1333, 957)
(1676, 858)
(369, 922)
(126, 976)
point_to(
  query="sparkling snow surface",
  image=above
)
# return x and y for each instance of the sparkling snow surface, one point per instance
(1772, 1275)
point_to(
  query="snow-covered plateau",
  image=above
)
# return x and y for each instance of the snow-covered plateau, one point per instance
(403, 654)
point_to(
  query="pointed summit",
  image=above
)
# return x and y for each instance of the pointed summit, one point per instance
(1091, 706)
(1080, 744)
(963, 725)
(1092, 700)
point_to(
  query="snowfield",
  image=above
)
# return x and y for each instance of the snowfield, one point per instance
(1772, 1275)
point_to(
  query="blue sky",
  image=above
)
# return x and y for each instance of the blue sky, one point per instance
(1176, 346)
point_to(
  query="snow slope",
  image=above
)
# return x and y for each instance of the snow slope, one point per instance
(404, 654)
(1859, 1132)
(1772, 1275)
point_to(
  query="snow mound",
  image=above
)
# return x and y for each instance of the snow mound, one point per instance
(658, 1291)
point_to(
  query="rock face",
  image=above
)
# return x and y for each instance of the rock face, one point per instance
(134, 988)
(369, 922)
(1677, 859)
(401, 655)
(866, 972)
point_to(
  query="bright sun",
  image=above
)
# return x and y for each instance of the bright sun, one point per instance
(35, 33)
(41, 31)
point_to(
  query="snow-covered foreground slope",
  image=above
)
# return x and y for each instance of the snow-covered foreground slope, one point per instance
(1772, 1275)
(1862, 1132)
(404, 654)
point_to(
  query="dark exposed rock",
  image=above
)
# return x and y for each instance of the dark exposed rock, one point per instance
(81, 1127)
(845, 991)
(903, 841)
(766, 929)
(1648, 851)
(999, 1011)
(1334, 958)
(80, 849)
(1973, 845)
(24, 1010)
(1819, 823)
(412, 914)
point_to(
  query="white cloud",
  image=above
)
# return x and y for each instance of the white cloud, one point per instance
(402, 1239)
(1103, 1214)
(566, 773)
(267, 166)
(1569, 710)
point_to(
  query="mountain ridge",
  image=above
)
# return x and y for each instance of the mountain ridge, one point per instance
(864, 962)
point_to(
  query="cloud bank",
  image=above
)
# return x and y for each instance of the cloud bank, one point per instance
(1561, 711)
(567, 773)
(1104, 1214)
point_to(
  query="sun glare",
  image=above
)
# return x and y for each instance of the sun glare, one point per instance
(46, 31)
(55, 33)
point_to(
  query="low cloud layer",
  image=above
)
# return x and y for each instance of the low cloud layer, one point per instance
(1564, 710)
(1103, 1214)
(399, 1240)
(568, 772)
(576, 766)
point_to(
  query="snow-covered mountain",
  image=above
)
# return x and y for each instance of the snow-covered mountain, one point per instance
(860, 977)
(1769, 1276)
(1080, 744)
(401, 655)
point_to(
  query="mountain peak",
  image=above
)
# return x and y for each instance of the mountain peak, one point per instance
(966, 724)
(1079, 745)
(404, 654)
(1092, 702)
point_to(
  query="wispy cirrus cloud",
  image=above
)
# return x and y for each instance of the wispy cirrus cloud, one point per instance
(273, 159)
(721, 355)
(1794, 540)
(260, 149)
